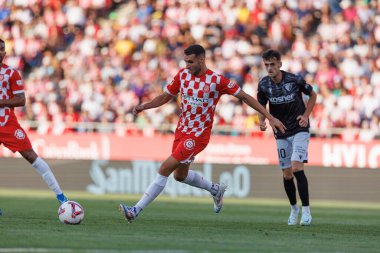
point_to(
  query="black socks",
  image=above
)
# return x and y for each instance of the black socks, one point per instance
(290, 190)
(303, 188)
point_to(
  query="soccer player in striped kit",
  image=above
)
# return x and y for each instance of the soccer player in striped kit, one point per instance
(200, 89)
(284, 93)
(12, 135)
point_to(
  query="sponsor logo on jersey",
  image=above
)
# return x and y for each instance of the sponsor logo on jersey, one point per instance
(282, 99)
(231, 85)
(19, 134)
(206, 88)
(189, 144)
(19, 82)
(195, 99)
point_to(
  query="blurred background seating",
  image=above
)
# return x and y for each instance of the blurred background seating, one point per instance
(87, 63)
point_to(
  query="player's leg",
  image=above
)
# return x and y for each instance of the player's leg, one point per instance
(153, 190)
(15, 138)
(44, 170)
(284, 149)
(299, 157)
(184, 175)
(303, 191)
(185, 148)
(290, 190)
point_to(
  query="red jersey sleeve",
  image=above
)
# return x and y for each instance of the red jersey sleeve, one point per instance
(226, 86)
(173, 87)
(16, 83)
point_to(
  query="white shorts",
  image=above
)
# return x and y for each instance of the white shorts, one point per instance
(293, 148)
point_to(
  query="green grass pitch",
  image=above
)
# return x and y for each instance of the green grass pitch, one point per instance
(30, 224)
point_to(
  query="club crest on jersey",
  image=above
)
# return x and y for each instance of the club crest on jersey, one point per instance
(189, 144)
(231, 85)
(19, 134)
(206, 88)
(288, 86)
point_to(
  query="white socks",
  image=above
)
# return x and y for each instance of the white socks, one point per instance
(154, 189)
(306, 209)
(194, 179)
(294, 207)
(47, 175)
(158, 185)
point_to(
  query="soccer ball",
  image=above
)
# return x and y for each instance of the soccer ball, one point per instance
(71, 212)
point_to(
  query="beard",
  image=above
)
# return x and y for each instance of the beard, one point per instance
(196, 71)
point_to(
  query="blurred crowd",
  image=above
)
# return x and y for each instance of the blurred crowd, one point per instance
(87, 63)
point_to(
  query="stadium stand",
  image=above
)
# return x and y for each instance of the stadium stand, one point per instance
(86, 63)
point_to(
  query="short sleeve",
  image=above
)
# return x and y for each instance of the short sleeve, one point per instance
(226, 86)
(16, 83)
(173, 87)
(261, 97)
(303, 86)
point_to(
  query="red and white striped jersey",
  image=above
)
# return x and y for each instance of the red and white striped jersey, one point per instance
(199, 96)
(10, 84)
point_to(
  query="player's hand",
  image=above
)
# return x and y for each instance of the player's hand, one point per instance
(277, 125)
(263, 125)
(138, 109)
(303, 121)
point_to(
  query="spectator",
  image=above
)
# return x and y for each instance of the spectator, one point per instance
(91, 61)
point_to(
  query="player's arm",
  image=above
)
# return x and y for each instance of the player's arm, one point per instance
(263, 124)
(252, 102)
(155, 102)
(262, 99)
(16, 101)
(304, 118)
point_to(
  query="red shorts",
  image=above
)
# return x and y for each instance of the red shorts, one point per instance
(187, 146)
(14, 137)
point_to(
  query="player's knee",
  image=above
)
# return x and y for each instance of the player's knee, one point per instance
(179, 177)
(30, 155)
(288, 176)
(295, 170)
(297, 166)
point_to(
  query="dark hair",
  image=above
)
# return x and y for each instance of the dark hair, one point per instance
(195, 49)
(270, 53)
(2, 41)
